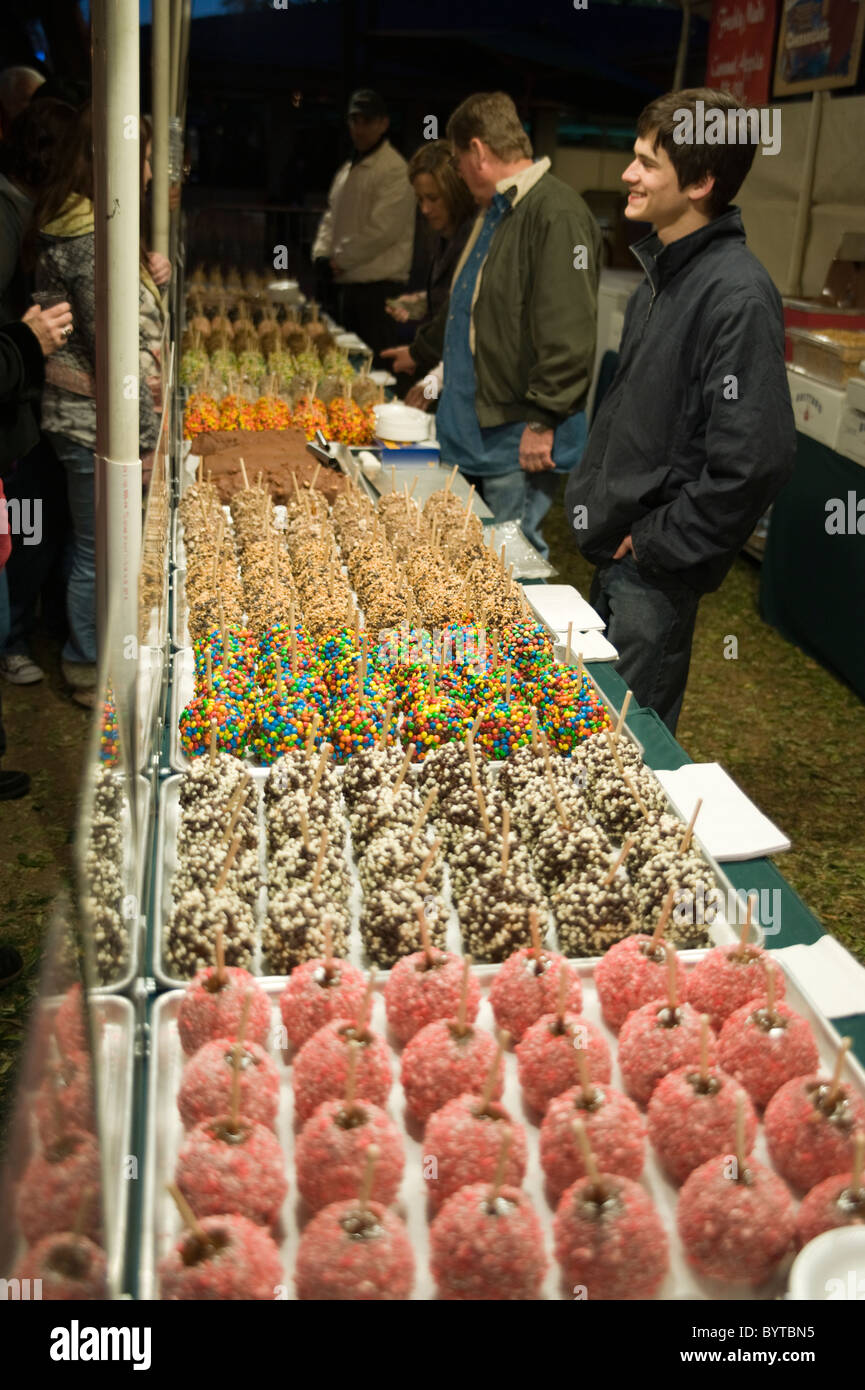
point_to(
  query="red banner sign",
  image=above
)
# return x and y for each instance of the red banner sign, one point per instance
(740, 48)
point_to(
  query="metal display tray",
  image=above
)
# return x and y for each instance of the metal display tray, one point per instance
(133, 885)
(720, 932)
(165, 1135)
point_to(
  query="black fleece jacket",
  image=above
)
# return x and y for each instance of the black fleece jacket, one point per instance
(22, 376)
(695, 436)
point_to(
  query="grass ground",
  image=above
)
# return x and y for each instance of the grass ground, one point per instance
(46, 736)
(789, 732)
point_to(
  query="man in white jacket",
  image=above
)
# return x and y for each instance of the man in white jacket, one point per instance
(367, 233)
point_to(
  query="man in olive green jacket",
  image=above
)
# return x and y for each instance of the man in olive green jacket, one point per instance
(517, 338)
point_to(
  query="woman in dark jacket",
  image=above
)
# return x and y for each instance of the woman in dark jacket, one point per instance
(449, 209)
(23, 349)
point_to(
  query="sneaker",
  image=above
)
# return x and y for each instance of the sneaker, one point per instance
(20, 669)
(14, 785)
(81, 675)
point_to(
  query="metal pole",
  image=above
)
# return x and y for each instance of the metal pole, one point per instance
(682, 54)
(176, 54)
(806, 192)
(161, 74)
(117, 486)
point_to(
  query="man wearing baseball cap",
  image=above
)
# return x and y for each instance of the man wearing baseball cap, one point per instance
(367, 232)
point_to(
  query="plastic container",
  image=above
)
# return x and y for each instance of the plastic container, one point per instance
(830, 354)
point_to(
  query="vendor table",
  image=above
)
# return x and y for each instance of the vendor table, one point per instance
(797, 924)
(812, 583)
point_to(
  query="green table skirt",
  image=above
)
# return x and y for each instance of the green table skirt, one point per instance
(812, 582)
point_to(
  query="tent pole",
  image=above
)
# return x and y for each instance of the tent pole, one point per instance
(161, 84)
(682, 54)
(117, 209)
(803, 205)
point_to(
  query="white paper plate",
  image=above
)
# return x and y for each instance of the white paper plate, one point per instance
(401, 423)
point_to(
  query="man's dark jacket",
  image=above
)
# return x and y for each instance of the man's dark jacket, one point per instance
(695, 436)
(22, 376)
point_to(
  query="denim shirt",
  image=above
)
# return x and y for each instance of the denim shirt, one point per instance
(485, 452)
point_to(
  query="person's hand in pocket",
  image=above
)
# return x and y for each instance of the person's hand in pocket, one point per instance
(627, 545)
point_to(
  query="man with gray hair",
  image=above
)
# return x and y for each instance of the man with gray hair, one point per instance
(17, 86)
(517, 339)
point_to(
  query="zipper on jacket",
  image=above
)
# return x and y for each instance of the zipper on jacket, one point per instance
(638, 257)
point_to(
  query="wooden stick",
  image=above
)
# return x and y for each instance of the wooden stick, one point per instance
(770, 985)
(365, 1009)
(686, 838)
(209, 672)
(672, 982)
(704, 1049)
(846, 1044)
(351, 1077)
(614, 752)
(423, 926)
(385, 725)
(620, 724)
(562, 998)
(227, 863)
(462, 1026)
(506, 832)
(304, 830)
(666, 909)
(589, 1090)
(234, 1108)
(482, 804)
(327, 926)
(427, 863)
(220, 958)
(309, 746)
(508, 681)
(187, 1215)
(422, 814)
(245, 475)
(588, 1157)
(623, 854)
(502, 1041)
(560, 810)
(535, 929)
(319, 771)
(449, 482)
(319, 863)
(858, 1160)
(372, 1154)
(409, 754)
(214, 732)
(746, 928)
(644, 810)
(501, 1166)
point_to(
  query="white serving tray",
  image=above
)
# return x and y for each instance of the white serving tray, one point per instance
(720, 932)
(165, 1134)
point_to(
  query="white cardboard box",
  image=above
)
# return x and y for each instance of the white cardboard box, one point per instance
(816, 406)
(851, 435)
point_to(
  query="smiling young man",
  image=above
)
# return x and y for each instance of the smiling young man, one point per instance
(695, 436)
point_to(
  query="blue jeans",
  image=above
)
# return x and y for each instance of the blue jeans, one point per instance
(523, 497)
(78, 464)
(652, 628)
